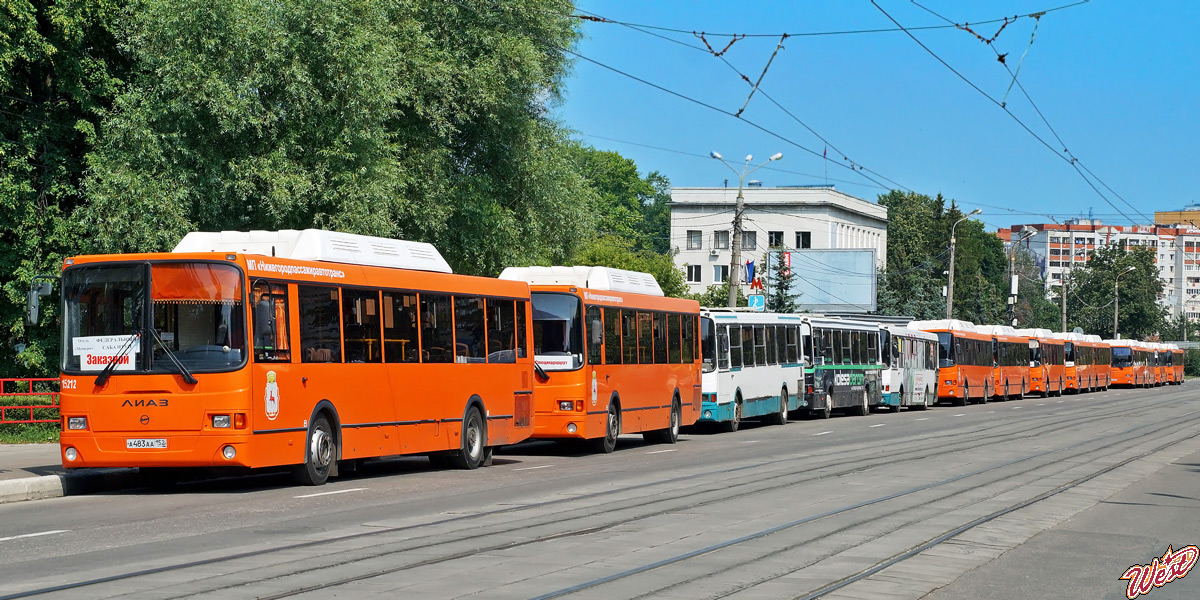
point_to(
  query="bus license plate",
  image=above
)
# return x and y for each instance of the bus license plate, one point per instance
(157, 443)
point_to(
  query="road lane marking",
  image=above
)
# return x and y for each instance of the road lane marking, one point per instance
(822, 433)
(749, 442)
(990, 412)
(1042, 404)
(962, 414)
(1059, 402)
(923, 419)
(532, 468)
(29, 535)
(1016, 407)
(330, 493)
(879, 425)
(661, 451)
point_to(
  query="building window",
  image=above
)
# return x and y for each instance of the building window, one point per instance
(693, 273)
(749, 240)
(720, 273)
(804, 239)
(695, 239)
(1056, 275)
(775, 239)
(721, 240)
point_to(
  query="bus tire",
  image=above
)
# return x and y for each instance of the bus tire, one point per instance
(612, 429)
(670, 435)
(781, 417)
(987, 393)
(825, 413)
(864, 408)
(966, 396)
(925, 402)
(473, 445)
(732, 425)
(319, 454)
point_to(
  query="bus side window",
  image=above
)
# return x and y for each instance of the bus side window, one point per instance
(872, 348)
(645, 327)
(722, 347)
(673, 339)
(760, 345)
(501, 335)
(320, 324)
(522, 328)
(629, 341)
(271, 341)
(772, 353)
(400, 343)
(660, 338)
(748, 345)
(689, 339)
(360, 322)
(791, 343)
(437, 329)
(595, 334)
(735, 346)
(469, 336)
(612, 336)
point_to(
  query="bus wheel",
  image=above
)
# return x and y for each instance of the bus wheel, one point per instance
(925, 402)
(732, 425)
(896, 407)
(780, 418)
(828, 410)
(966, 396)
(987, 393)
(474, 442)
(864, 408)
(612, 429)
(318, 457)
(670, 435)
(1006, 391)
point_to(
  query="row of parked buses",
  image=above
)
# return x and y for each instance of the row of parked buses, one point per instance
(317, 350)
(978, 363)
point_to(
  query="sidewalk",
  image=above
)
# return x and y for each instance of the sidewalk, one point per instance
(35, 472)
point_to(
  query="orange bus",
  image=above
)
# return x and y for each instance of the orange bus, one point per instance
(1094, 356)
(613, 355)
(304, 348)
(1176, 364)
(1162, 359)
(1129, 363)
(1010, 355)
(964, 360)
(1046, 375)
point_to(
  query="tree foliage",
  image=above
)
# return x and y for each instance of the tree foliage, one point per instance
(618, 252)
(780, 298)
(1090, 293)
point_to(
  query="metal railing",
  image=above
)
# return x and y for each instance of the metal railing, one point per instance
(29, 400)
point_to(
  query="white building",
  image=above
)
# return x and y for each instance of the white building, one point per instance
(1060, 247)
(772, 218)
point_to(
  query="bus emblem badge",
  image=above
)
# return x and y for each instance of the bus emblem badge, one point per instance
(271, 396)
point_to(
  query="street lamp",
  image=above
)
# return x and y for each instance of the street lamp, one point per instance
(737, 218)
(1027, 232)
(950, 283)
(1117, 299)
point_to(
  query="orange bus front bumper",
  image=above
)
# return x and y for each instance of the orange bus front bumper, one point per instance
(182, 450)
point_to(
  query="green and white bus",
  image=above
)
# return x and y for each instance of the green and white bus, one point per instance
(844, 371)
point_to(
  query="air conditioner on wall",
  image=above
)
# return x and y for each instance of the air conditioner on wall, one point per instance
(714, 252)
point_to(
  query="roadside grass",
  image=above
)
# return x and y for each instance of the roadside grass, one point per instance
(29, 433)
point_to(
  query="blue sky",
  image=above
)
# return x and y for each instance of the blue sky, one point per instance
(1117, 80)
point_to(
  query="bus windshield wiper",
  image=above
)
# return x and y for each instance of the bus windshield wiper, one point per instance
(116, 358)
(187, 375)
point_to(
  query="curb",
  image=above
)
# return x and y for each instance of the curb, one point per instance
(67, 484)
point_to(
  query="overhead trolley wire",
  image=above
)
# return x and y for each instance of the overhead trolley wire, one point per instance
(1071, 160)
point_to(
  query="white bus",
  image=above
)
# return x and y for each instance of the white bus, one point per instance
(753, 366)
(909, 367)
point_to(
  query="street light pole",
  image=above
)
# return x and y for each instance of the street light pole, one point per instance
(1012, 274)
(1117, 300)
(737, 219)
(950, 281)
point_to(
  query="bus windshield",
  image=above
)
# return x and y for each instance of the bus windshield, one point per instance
(885, 342)
(557, 331)
(1069, 352)
(708, 345)
(1122, 357)
(196, 310)
(945, 349)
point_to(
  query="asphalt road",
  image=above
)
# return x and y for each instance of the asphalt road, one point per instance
(884, 506)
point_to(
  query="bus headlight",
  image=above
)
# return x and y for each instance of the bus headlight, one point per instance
(76, 422)
(71, 454)
(571, 428)
(708, 414)
(222, 422)
(229, 452)
(565, 405)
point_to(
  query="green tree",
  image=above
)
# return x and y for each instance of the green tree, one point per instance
(415, 119)
(1090, 293)
(717, 296)
(60, 68)
(780, 298)
(626, 204)
(617, 252)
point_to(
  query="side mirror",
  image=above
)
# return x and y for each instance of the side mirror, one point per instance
(37, 289)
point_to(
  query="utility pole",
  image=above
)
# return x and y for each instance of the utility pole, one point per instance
(735, 261)
(950, 281)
